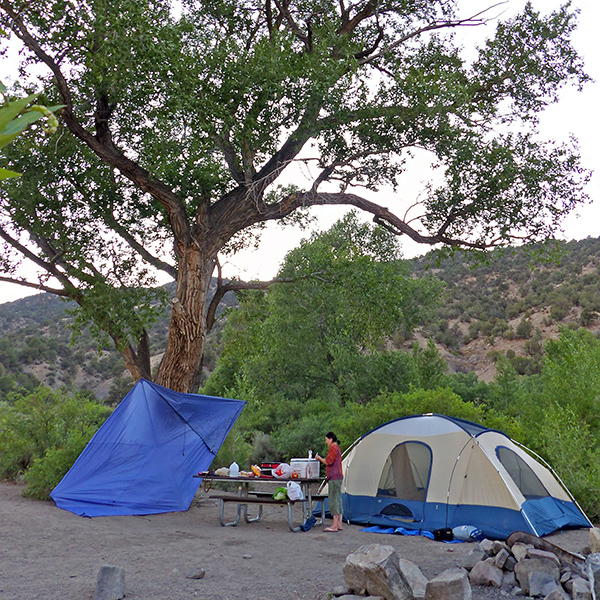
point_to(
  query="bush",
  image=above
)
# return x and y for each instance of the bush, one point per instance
(45, 473)
(524, 329)
(45, 424)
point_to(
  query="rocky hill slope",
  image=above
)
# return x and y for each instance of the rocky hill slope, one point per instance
(508, 306)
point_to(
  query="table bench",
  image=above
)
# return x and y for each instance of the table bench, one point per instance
(313, 498)
(259, 498)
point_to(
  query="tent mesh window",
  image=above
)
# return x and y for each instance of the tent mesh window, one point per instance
(405, 474)
(521, 473)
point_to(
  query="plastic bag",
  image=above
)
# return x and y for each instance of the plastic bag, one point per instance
(282, 471)
(294, 491)
(280, 493)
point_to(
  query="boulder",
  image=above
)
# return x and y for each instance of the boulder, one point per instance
(509, 581)
(473, 558)
(581, 589)
(594, 540)
(451, 584)
(535, 553)
(519, 550)
(110, 584)
(487, 546)
(497, 546)
(485, 572)
(592, 564)
(526, 567)
(510, 563)
(413, 576)
(558, 594)
(501, 558)
(376, 569)
(541, 584)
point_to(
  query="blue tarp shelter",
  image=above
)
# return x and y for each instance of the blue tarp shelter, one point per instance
(143, 458)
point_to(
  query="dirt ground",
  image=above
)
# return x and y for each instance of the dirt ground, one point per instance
(49, 554)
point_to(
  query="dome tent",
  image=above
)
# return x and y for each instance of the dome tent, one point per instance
(143, 458)
(430, 472)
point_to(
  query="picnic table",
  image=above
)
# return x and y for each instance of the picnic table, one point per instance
(245, 497)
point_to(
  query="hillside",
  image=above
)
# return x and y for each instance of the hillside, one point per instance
(508, 306)
(513, 303)
(37, 345)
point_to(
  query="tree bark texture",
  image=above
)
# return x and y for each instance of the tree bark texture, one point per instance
(181, 366)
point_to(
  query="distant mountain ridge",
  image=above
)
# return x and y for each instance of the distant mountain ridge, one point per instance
(508, 306)
(36, 345)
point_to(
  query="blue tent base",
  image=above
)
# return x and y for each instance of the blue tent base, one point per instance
(403, 531)
(143, 459)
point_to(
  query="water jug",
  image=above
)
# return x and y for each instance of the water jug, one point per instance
(234, 470)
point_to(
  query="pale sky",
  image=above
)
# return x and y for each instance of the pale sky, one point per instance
(577, 114)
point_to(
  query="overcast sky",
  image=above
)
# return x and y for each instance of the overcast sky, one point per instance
(577, 114)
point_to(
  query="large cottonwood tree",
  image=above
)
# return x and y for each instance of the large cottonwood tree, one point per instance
(180, 125)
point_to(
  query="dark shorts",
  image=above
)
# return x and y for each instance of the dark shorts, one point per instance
(335, 496)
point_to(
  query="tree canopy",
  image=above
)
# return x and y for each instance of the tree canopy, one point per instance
(325, 335)
(180, 128)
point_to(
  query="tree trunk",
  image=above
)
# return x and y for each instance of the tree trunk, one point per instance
(181, 366)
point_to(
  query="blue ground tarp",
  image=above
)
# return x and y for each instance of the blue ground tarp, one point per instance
(143, 459)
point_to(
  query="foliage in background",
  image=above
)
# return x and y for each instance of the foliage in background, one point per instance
(41, 434)
(554, 412)
(182, 120)
(319, 341)
(482, 299)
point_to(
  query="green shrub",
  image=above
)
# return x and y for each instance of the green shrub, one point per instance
(45, 424)
(46, 472)
(524, 329)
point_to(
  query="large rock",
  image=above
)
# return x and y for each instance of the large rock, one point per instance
(414, 577)
(594, 538)
(473, 558)
(519, 550)
(526, 567)
(535, 553)
(451, 584)
(376, 569)
(592, 564)
(110, 584)
(501, 558)
(581, 589)
(558, 594)
(509, 582)
(485, 572)
(542, 584)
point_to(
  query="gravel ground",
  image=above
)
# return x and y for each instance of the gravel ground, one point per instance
(50, 554)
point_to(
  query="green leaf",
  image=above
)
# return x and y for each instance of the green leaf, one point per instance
(12, 109)
(6, 174)
(18, 125)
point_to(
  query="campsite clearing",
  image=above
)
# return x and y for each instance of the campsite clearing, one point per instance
(48, 553)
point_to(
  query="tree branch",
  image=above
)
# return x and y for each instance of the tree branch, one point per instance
(38, 286)
(381, 215)
(235, 285)
(102, 144)
(49, 267)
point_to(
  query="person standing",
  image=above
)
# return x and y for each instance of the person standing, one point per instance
(333, 469)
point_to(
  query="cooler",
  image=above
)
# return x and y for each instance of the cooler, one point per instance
(307, 468)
